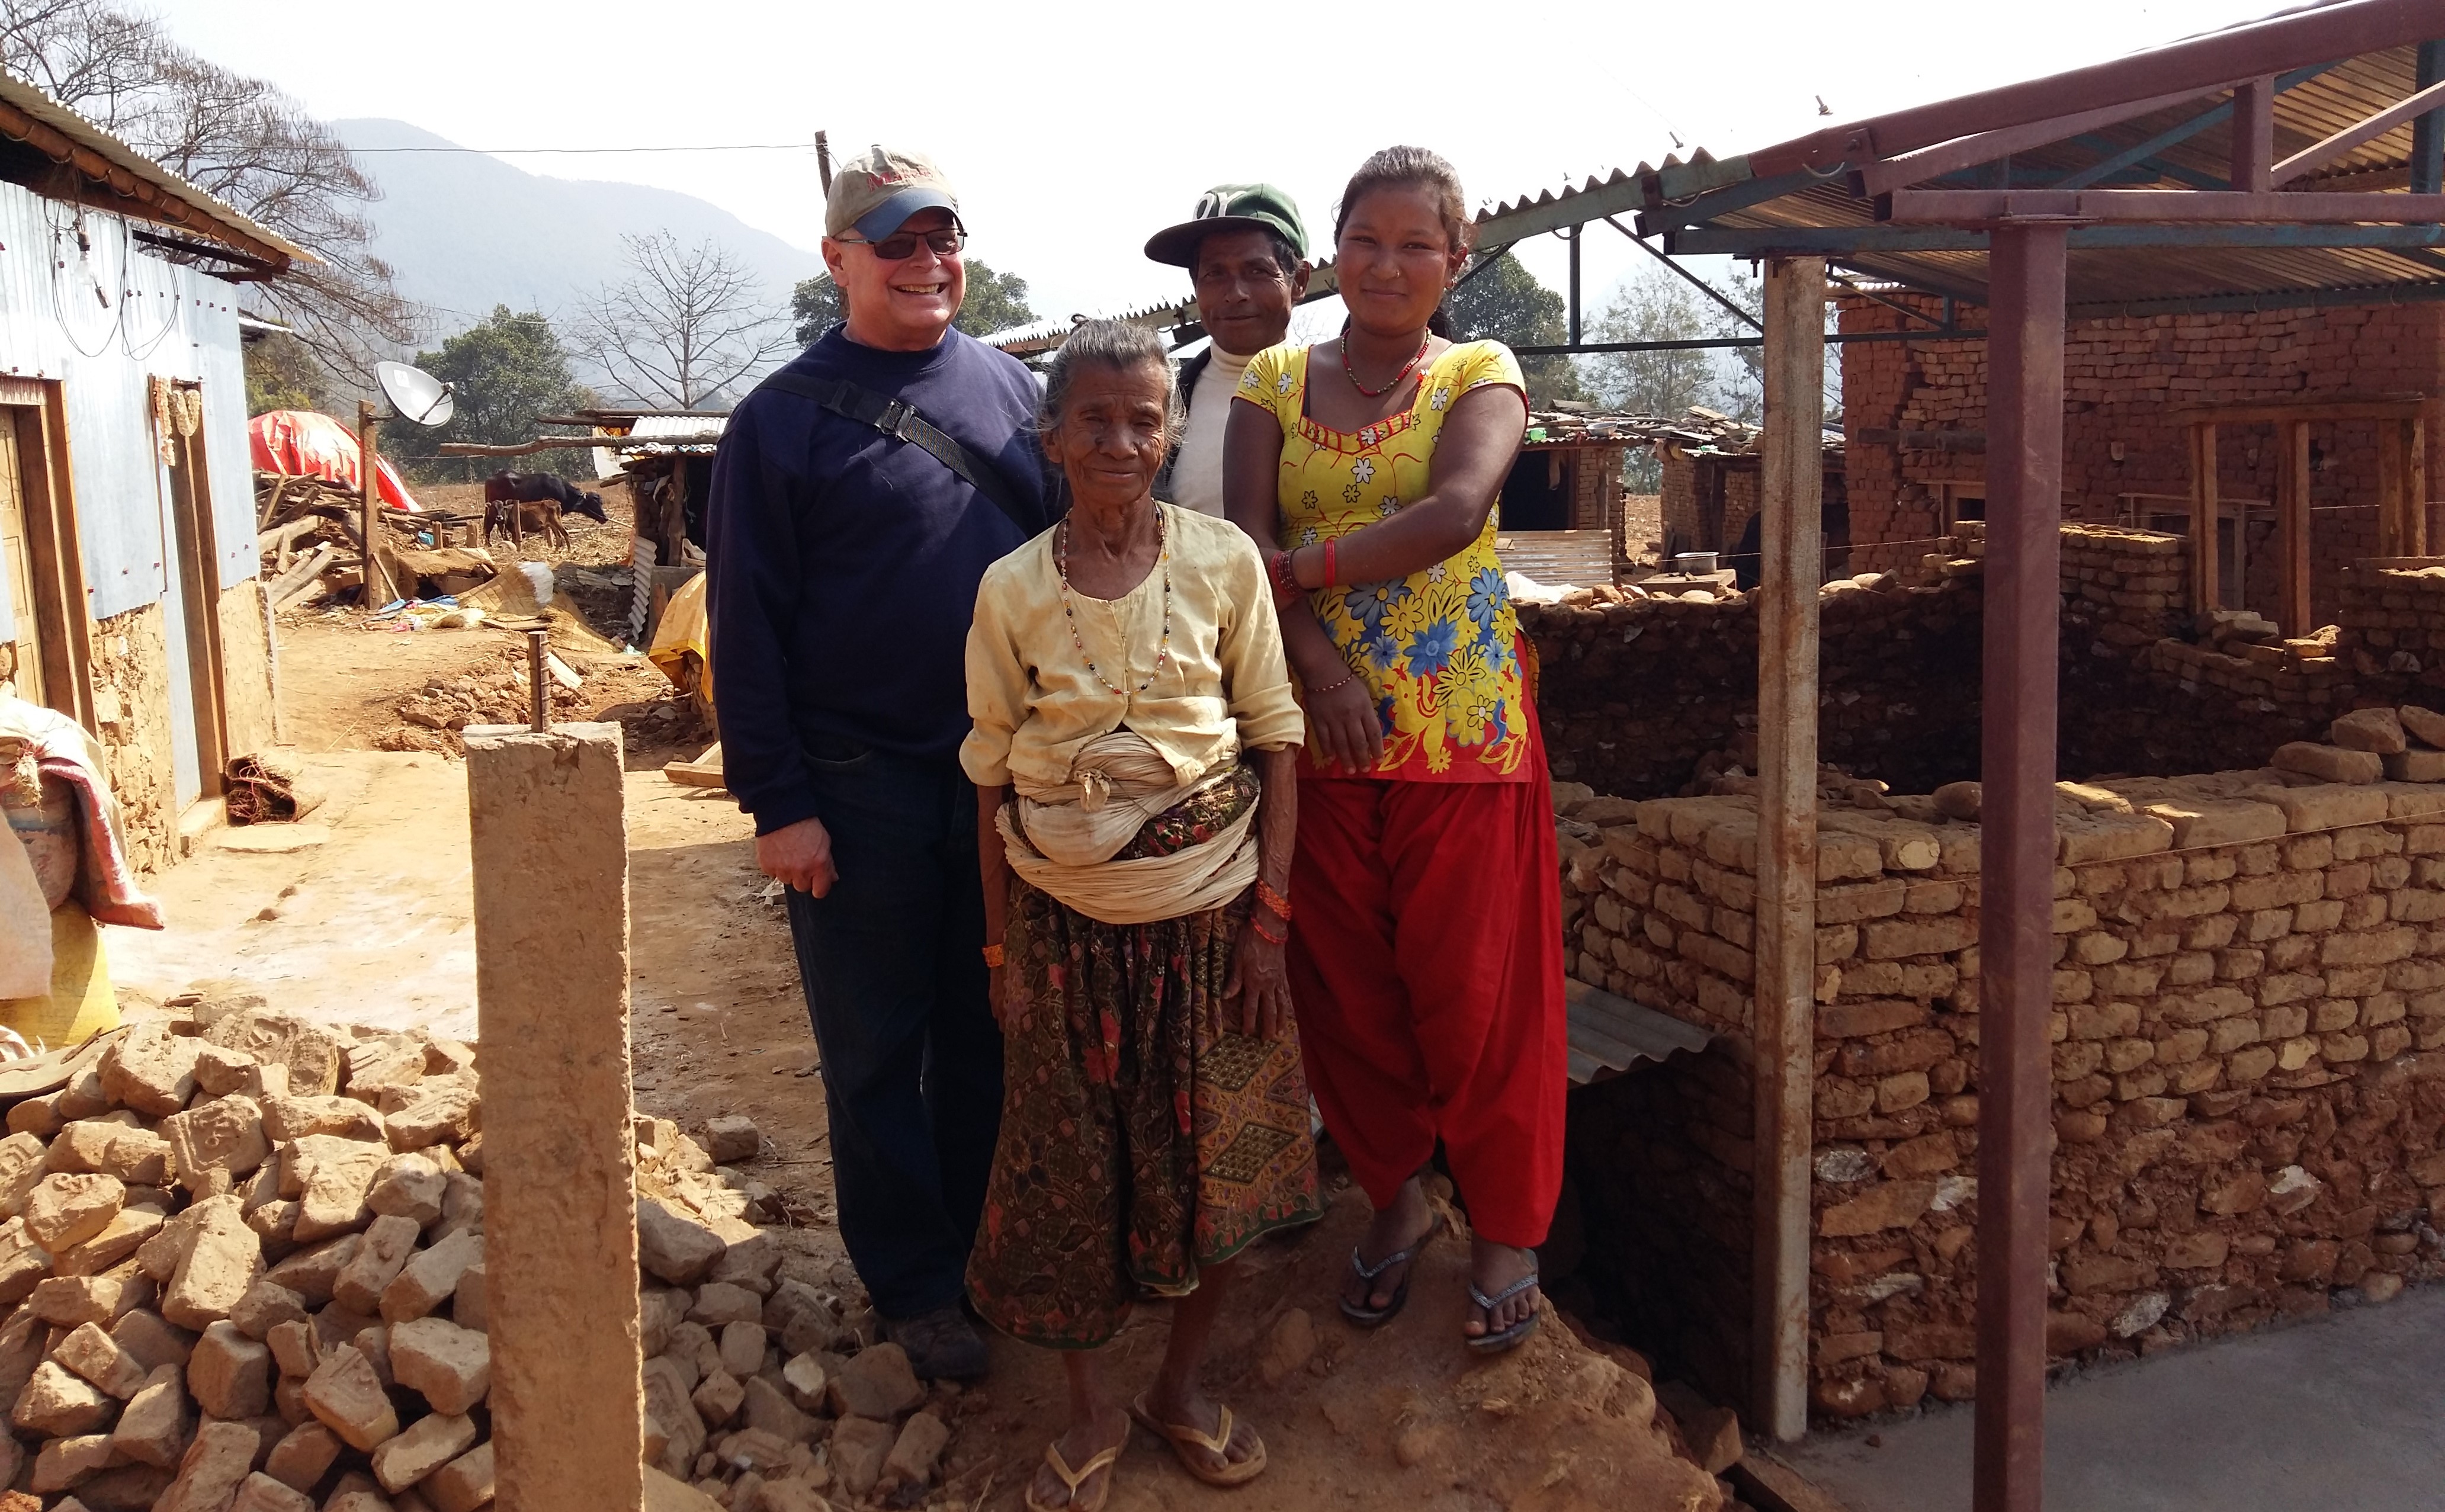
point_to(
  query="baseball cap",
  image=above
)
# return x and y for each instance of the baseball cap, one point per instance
(1229, 207)
(880, 188)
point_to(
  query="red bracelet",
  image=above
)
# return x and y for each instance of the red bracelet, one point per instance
(1274, 901)
(1331, 574)
(1286, 584)
(1256, 922)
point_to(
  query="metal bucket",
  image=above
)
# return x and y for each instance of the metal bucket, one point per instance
(1694, 564)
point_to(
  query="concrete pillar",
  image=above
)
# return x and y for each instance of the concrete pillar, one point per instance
(560, 1215)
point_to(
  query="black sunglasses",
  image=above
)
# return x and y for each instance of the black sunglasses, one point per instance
(902, 246)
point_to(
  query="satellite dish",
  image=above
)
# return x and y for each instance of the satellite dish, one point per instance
(416, 394)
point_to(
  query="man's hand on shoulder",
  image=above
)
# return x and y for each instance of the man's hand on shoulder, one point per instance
(799, 856)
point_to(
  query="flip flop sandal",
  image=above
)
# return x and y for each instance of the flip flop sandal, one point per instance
(1182, 1438)
(1377, 1317)
(1512, 1337)
(1104, 1460)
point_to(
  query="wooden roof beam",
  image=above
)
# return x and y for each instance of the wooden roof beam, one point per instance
(2198, 66)
(1987, 146)
(144, 200)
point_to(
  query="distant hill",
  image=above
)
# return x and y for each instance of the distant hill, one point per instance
(465, 232)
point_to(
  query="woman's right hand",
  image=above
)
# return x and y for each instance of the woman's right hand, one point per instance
(1002, 992)
(1342, 729)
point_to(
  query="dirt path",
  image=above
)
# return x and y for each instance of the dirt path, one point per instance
(372, 923)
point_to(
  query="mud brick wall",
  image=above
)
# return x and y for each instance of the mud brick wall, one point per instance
(1632, 695)
(2122, 375)
(2249, 1066)
(131, 701)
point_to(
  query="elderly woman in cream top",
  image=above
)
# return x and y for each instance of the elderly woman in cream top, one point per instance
(1134, 748)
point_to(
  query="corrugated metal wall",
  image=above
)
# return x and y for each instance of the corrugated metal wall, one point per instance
(101, 314)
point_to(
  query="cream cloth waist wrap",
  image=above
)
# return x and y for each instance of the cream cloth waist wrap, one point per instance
(1061, 838)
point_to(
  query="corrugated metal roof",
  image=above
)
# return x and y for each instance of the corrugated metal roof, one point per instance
(679, 427)
(1814, 181)
(219, 220)
(1609, 1034)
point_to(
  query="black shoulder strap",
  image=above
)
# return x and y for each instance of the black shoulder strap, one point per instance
(1190, 371)
(896, 416)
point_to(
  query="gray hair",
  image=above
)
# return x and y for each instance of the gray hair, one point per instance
(1115, 346)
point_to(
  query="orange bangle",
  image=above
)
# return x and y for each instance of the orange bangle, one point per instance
(1274, 901)
(993, 956)
(1256, 922)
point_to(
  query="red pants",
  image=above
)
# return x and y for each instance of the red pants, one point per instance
(1426, 963)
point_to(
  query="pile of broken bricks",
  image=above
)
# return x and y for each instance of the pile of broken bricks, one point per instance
(242, 1270)
(2401, 745)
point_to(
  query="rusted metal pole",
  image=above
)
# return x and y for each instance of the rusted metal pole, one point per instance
(538, 701)
(1792, 542)
(2024, 615)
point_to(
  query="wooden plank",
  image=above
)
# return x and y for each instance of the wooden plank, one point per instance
(2204, 594)
(2292, 527)
(2368, 407)
(1791, 489)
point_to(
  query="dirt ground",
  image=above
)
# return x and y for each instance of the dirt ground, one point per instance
(346, 676)
(367, 918)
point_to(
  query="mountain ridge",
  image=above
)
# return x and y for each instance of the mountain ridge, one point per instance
(464, 232)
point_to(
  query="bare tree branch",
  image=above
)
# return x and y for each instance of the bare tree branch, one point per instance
(239, 139)
(687, 326)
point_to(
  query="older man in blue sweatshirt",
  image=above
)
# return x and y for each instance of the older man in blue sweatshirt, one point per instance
(858, 497)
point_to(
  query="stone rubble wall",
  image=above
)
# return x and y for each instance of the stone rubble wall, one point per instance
(131, 701)
(1637, 697)
(1633, 697)
(2249, 1070)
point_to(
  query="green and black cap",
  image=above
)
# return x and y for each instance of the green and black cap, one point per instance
(1230, 207)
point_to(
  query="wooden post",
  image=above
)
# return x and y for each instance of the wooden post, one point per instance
(377, 582)
(1791, 539)
(2292, 526)
(2415, 486)
(2016, 853)
(560, 1210)
(2390, 511)
(2206, 593)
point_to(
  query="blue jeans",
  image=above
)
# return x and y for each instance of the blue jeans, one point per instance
(895, 981)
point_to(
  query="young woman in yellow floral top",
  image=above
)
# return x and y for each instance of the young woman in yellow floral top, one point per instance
(1425, 952)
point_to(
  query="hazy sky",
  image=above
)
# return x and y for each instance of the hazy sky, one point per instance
(1073, 128)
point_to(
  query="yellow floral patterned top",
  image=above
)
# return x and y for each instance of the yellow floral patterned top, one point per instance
(1439, 648)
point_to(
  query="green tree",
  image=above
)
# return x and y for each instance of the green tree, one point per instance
(283, 373)
(816, 307)
(995, 302)
(503, 372)
(1655, 306)
(1503, 302)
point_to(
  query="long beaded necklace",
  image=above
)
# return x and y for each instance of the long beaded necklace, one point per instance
(1351, 373)
(1163, 651)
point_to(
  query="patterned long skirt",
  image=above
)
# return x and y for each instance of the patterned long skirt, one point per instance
(1141, 1137)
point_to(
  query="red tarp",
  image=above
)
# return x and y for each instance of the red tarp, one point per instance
(302, 443)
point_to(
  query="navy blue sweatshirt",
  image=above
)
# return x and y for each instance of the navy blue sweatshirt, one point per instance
(842, 564)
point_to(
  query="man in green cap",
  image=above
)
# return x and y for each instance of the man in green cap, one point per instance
(1245, 251)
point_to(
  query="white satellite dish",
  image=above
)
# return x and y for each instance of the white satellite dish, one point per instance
(416, 394)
